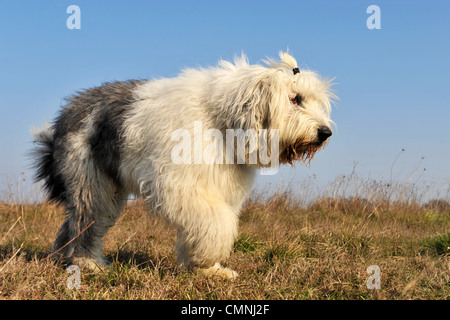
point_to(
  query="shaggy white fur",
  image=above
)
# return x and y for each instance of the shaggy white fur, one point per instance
(118, 139)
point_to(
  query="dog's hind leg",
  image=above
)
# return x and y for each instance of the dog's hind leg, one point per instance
(93, 203)
(84, 230)
(80, 239)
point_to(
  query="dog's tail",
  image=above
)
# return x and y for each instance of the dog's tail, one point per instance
(45, 165)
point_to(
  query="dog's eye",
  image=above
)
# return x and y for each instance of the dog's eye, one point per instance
(297, 100)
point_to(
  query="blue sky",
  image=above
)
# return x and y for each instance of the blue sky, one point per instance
(393, 83)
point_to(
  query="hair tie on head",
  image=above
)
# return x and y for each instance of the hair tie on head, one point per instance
(296, 70)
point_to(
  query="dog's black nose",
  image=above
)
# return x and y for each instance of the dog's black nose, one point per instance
(323, 133)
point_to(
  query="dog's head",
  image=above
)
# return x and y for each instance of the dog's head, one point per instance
(294, 102)
(305, 107)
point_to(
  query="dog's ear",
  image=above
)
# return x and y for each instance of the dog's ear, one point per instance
(242, 98)
(250, 110)
(253, 111)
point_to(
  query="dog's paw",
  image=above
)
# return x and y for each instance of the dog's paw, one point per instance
(90, 264)
(218, 270)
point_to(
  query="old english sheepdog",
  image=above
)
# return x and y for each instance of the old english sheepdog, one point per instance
(120, 138)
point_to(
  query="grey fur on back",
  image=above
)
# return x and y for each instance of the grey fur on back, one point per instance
(109, 103)
(78, 158)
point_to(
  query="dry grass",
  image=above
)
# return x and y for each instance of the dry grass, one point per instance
(286, 249)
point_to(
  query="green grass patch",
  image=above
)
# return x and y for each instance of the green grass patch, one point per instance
(439, 244)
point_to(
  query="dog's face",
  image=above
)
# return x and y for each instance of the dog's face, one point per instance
(295, 104)
(302, 114)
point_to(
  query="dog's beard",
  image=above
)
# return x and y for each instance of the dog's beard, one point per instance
(300, 151)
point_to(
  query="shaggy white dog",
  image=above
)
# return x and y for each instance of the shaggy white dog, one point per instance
(121, 138)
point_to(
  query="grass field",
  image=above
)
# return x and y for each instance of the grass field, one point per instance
(286, 249)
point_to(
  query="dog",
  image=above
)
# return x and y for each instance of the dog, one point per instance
(118, 139)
